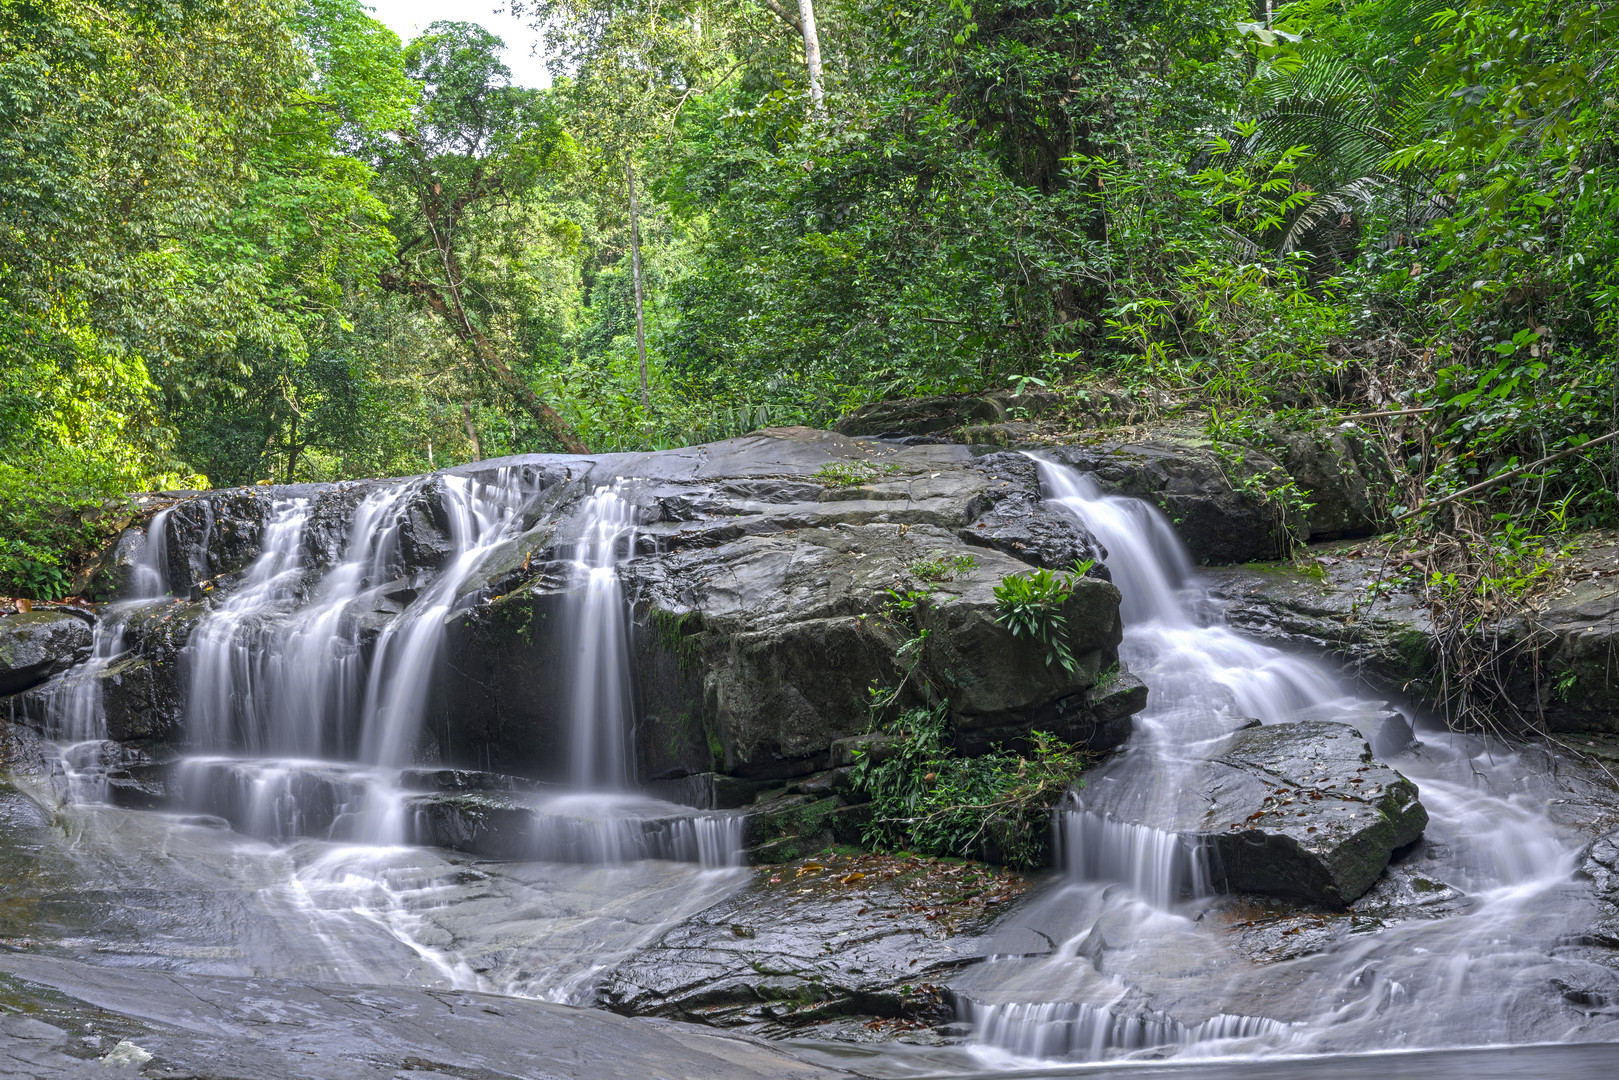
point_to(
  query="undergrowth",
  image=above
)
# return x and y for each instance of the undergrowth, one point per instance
(996, 807)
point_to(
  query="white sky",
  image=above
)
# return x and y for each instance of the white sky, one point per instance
(408, 18)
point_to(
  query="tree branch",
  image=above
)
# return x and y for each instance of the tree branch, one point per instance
(1509, 474)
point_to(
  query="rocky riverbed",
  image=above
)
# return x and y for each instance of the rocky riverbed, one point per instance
(760, 581)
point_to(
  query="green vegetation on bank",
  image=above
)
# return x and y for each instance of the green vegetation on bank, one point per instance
(265, 240)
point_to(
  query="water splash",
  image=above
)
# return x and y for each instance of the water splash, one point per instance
(1076, 1031)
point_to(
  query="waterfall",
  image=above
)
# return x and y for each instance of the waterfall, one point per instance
(1126, 924)
(1201, 675)
(303, 726)
(72, 702)
(599, 714)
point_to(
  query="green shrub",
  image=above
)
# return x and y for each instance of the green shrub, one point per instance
(942, 568)
(852, 473)
(997, 807)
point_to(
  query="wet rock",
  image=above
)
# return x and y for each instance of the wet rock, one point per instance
(22, 751)
(869, 937)
(1296, 810)
(1018, 523)
(1324, 604)
(1353, 602)
(1394, 735)
(143, 691)
(1599, 864)
(1227, 508)
(785, 636)
(35, 645)
(76, 1020)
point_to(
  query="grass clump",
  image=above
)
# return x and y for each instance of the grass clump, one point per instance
(942, 568)
(852, 473)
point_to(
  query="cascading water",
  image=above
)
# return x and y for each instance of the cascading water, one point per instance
(306, 724)
(600, 820)
(1145, 964)
(599, 725)
(72, 703)
(279, 668)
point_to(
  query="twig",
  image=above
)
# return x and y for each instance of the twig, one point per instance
(1508, 475)
(1395, 412)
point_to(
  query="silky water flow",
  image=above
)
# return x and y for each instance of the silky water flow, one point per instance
(1143, 961)
(292, 853)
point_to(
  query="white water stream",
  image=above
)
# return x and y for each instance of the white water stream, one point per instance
(1145, 961)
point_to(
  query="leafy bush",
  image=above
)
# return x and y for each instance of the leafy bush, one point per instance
(997, 807)
(1030, 605)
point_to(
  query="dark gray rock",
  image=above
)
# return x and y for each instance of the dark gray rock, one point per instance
(1599, 864)
(827, 940)
(785, 636)
(35, 645)
(1018, 523)
(1348, 600)
(1227, 509)
(1339, 472)
(1290, 810)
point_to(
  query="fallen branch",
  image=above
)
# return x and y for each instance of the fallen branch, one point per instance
(1508, 475)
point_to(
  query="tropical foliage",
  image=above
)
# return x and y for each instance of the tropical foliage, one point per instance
(266, 240)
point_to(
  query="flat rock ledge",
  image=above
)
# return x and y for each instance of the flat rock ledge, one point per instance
(846, 947)
(1299, 810)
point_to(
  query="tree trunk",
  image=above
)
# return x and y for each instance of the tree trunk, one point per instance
(454, 312)
(812, 54)
(635, 268)
(472, 433)
(294, 448)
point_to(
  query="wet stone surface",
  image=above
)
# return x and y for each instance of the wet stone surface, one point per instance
(62, 1019)
(1298, 810)
(843, 947)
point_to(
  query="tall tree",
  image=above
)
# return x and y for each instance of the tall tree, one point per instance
(478, 145)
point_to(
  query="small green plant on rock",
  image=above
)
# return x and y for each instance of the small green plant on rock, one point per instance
(927, 798)
(942, 568)
(1030, 605)
(852, 473)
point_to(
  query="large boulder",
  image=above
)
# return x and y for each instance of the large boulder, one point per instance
(1299, 810)
(760, 588)
(35, 645)
(861, 944)
(792, 632)
(1228, 507)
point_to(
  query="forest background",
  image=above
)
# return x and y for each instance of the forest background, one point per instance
(245, 241)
